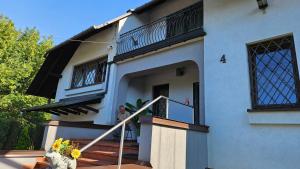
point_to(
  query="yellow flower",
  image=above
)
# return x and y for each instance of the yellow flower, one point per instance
(75, 153)
(56, 146)
(59, 140)
(66, 142)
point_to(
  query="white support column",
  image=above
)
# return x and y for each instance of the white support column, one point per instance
(167, 108)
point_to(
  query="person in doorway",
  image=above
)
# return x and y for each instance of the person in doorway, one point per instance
(122, 114)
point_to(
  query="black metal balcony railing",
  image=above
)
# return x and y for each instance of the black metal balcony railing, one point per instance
(176, 24)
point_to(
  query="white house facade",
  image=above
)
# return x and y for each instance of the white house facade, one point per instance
(255, 138)
(228, 68)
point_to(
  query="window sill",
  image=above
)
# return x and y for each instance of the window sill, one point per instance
(282, 116)
(84, 90)
(285, 109)
(74, 88)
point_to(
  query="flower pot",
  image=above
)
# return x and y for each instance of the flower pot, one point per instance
(57, 161)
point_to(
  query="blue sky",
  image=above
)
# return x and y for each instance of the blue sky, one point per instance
(64, 18)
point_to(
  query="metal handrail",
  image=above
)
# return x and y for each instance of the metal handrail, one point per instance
(174, 101)
(178, 102)
(123, 123)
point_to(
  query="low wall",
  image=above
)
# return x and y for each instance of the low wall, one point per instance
(19, 159)
(168, 144)
(71, 130)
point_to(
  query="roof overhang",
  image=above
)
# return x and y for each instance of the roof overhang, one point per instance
(72, 105)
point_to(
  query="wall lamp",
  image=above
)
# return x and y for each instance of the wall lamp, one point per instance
(262, 4)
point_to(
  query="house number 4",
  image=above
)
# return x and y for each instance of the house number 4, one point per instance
(223, 58)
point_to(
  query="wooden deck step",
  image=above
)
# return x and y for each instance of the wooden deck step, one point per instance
(130, 147)
(112, 143)
(41, 163)
(85, 162)
(124, 166)
(106, 153)
(110, 156)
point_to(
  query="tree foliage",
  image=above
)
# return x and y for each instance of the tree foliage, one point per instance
(21, 55)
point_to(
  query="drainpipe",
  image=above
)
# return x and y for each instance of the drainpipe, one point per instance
(107, 78)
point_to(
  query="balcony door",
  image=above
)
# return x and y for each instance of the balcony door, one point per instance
(159, 108)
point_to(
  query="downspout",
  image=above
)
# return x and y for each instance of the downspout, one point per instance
(109, 64)
(107, 78)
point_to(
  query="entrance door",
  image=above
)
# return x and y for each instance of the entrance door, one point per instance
(159, 108)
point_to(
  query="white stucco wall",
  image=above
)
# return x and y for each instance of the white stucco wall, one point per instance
(131, 22)
(238, 139)
(168, 8)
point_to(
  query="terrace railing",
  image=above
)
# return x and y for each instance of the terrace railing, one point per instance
(176, 24)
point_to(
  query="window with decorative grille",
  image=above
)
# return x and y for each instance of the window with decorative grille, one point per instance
(274, 73)
(89, 73)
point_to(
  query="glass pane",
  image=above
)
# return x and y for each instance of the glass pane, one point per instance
(90, 77)
(77, 77)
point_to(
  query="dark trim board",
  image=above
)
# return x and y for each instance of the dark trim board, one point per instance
(273, 109)
(159, 45)
(80, 124)
(72, 105)
(174, 124)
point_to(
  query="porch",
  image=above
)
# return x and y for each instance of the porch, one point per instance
(179, 82)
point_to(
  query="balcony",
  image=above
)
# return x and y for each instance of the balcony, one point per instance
(178, 27)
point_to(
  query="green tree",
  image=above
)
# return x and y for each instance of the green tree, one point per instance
(21, 55)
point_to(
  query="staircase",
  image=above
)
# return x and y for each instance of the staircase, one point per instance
(104, 154)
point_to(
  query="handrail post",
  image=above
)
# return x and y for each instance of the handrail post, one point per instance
(121, 146)
(193, 116)
(167, 108)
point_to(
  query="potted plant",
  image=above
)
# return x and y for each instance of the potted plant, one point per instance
(134, 108)
(63, 154)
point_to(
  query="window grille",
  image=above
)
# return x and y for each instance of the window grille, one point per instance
(274, 73)
(89, 73)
